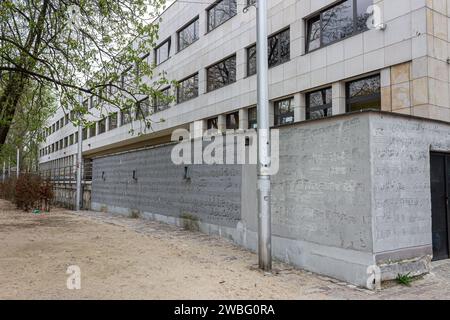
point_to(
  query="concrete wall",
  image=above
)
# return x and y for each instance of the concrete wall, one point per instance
(353, 191)
(211, 195)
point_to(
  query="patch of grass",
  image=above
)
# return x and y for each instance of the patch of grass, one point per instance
(135, 214)
(190, 222)
(405, 279)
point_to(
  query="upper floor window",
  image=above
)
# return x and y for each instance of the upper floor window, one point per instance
(112, 123)
(338, 22)
(84, 133)
(253, 118)
(188, 34)
(188, 89)
(221, 74)
(364, 94)
(162, 100)
(232, 121)
(143, 108)
(319, 104)
(278, 51)
(284, 111)
(126, 117)
(220, 12)
(162, 52)
(102, 126)
(92, 131)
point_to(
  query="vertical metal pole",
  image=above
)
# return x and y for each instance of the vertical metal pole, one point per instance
(79, 167)
(18, 163)
(264, 214)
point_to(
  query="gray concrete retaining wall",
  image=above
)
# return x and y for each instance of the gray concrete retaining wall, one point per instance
(353, 191)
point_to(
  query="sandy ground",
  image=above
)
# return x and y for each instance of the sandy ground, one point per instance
(124, 258)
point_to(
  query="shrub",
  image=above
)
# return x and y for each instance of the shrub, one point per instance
(27, 191)
(8, 189)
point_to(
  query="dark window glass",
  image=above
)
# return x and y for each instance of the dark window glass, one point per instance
(66, 119)
(66, 142)
(71, 139)
(84, 133)
(57, 126)
(188, 89)
(188, 35)
(126, 78)
(76, 137)
(220, 12)
(212, 123)
(61, 144)
(338, 22)
(102, 126)
(112, 121)
(162, 52)
(319, 104)
(221, 74)
(162, 101)
(361, 14)
(284, 112)
(232, 120)
(364, 94)
(126, 117)
(92, 131)
(278, 51)
(143, 108)
(251, 61)
(253, 118)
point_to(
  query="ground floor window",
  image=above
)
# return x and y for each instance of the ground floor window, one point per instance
(319, 104)
(284, 111)
(364, 94)
(253, 118)
(233, 121)
(212, 123)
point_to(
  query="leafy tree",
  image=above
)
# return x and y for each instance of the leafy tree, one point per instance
(78, 47)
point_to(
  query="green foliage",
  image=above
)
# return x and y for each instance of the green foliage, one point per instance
(405, 279)
(78, 47)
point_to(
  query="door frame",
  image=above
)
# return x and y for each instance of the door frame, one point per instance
(446, 156)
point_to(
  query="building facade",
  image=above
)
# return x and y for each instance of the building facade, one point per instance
(327, 60)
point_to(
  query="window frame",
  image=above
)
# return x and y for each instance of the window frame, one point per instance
(211, 7)
(277, 115)
(319, 15)
(253, 46)
(211, 121)
(215, 64)
(183, 80)
(309, 109)
(159, 46)
(228, 122)
(184, 27)
(361, 99)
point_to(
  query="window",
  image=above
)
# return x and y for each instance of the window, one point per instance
(188, 35)
(233, 121)
(66, 119)
(212, 123)
(220, 12)
(364, 94)
(57, 126)
(61, 144)
(112, 121)
(338, 22)
(221, 74)
(162, 52)
(84, 133)
(143, 108)
(92, 131)
(126, 78)
(126, 117)
(61, 122)
(188, 89)
(71, 139)
(102, 126)
(162, 100)
(318, 104)
(284, 112)
(278, 51)
(76, 137)
(66, 142)
(253, 118)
